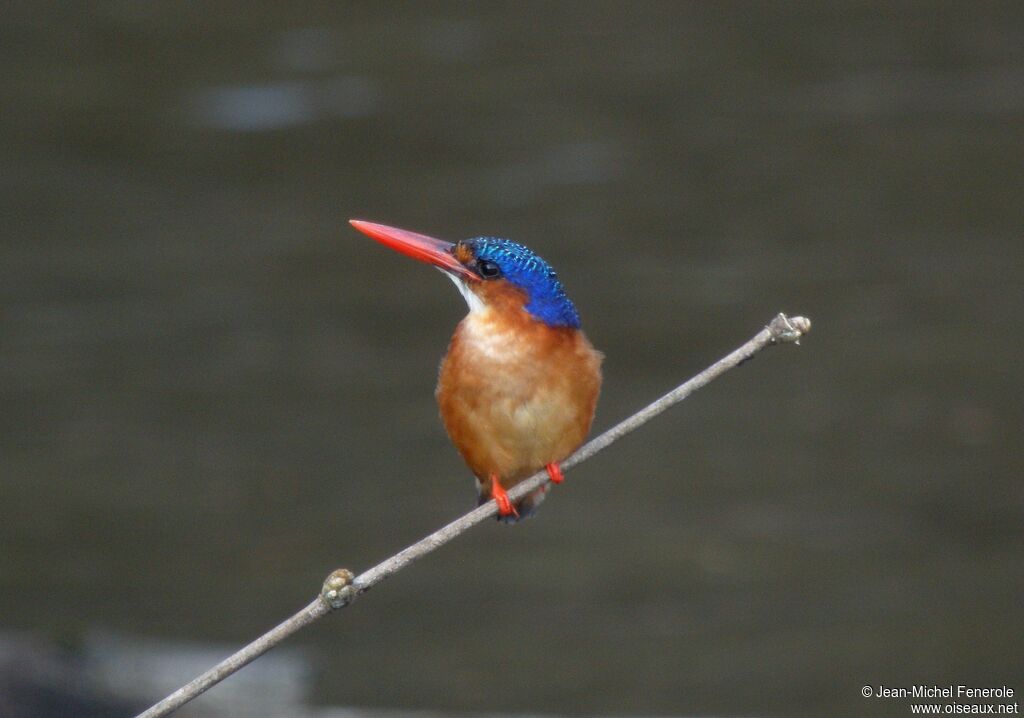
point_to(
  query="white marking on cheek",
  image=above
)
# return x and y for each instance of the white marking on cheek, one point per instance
(474, 302)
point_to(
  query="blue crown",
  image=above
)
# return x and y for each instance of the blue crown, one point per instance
(526, 270)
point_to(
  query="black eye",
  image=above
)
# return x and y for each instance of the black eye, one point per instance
(488, 269)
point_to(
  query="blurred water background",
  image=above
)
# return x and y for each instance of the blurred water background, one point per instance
(214, 392)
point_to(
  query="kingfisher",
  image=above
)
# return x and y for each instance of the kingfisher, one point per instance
(518, 386)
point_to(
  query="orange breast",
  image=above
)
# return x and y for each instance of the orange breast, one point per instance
(516, 394)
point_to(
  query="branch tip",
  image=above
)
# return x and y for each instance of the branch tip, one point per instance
(788, 329)
(337, 591)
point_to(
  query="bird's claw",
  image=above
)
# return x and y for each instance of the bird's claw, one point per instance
(555, 473)
(505, 507)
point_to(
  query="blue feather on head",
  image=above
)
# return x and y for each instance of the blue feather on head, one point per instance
(547, 300)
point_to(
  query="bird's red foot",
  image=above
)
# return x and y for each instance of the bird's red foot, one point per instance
(555, 472)
(505, 507)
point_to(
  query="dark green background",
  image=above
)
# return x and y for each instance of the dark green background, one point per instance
(214, 392)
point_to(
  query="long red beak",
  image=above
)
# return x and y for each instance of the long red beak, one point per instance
(415, 245)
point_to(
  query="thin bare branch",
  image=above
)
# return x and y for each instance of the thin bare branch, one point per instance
(341, 587)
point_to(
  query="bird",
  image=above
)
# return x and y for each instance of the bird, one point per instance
(518, 386)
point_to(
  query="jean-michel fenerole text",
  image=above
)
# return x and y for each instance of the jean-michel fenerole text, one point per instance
(943, 692)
